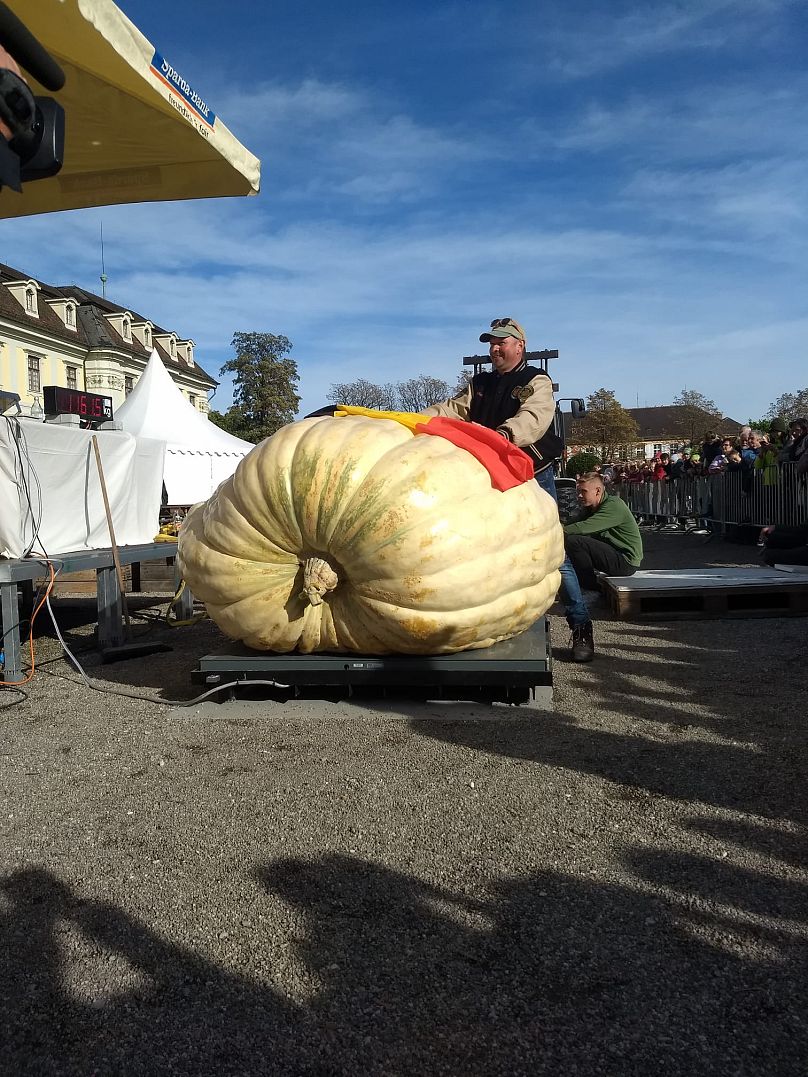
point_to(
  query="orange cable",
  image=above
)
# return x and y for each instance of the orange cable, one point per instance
(42, 601)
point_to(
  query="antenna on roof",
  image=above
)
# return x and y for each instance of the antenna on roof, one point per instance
(103, 269)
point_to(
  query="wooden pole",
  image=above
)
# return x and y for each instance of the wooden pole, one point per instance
(113, 543)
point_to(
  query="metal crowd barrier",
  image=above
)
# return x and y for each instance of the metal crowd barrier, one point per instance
(774, 495)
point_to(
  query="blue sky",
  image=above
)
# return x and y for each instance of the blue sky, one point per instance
(627, 180)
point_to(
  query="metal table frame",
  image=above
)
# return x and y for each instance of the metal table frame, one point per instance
(110, 602)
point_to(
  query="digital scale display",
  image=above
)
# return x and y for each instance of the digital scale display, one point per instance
(88, 406)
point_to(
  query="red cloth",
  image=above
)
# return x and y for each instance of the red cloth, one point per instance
(507, 465)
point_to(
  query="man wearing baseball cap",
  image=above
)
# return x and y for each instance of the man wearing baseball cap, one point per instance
(516, 400)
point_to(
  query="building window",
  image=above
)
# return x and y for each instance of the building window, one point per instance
(70, 316)
(34, 381)
(147, 337)
(71, 377)
(128, 384)
(30, 300)
(127, 329)
(173, 348)
(640, 453)
(657, 448)
(192, 399)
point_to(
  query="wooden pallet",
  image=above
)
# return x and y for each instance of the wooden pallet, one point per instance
(687, 594)
(81, 583)
(156, 576)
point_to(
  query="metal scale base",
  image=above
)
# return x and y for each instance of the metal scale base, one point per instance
(519, 670)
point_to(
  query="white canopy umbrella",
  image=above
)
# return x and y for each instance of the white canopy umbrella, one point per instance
(135, 129)
(199, 454)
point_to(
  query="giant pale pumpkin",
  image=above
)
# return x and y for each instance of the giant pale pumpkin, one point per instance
(354, 534)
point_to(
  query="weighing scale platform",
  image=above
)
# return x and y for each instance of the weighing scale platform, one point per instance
(517, 670)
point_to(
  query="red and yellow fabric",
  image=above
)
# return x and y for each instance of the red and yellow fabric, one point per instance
(507, 465)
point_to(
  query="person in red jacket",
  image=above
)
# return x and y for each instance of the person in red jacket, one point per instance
(662, 467)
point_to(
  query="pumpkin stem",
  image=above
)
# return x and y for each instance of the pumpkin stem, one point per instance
(318, 577)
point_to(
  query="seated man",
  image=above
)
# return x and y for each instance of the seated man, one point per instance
(607, 539)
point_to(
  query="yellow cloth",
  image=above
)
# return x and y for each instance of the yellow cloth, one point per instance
(410, 419)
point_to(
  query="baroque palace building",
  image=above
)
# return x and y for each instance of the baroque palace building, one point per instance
(69, 337)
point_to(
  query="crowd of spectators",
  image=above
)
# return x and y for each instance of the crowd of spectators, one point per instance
(750, 453)
(751, 450)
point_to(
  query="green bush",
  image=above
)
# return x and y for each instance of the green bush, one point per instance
(581, 462)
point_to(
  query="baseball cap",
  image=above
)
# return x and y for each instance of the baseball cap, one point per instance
(503, 327)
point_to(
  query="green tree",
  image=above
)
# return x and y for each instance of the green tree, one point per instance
(580, 463)
(232, 421)
(763, 425)
(265, 384)
(607, 425)
(418, 393)
(789, 406)
(364, 394)
(697, 414)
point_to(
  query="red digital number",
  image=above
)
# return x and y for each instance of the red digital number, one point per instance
(96, 407)
(82, 405)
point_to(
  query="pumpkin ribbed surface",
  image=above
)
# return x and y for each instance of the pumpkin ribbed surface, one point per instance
(353, 534)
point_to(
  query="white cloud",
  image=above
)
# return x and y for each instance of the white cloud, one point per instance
(757, 203)
(591, 43)
(706, 122)
(328, 140)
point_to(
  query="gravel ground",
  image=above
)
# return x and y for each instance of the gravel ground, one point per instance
(618, 887)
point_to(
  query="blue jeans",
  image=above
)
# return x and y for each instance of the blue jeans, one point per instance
(570, 593)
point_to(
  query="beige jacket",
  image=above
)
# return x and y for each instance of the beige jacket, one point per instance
(533, 419)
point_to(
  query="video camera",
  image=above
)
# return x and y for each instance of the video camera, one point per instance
(37, 124)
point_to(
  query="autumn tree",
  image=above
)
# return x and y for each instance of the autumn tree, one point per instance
(607, 425)
(364, 394)
(463, 378)
(789, 406)
(696, 414)
(418, 393)
(265, 381)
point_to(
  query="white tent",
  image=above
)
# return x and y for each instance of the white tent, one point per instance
(199, 455)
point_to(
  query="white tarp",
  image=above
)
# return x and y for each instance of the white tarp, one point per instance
(199, 455)
(50, 491)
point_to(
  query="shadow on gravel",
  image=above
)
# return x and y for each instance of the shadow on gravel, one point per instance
(538, 974)
(702, 725)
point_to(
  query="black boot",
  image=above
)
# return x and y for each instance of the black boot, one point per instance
(583, 643)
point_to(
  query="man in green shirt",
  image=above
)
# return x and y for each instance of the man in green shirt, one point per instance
(607, 539)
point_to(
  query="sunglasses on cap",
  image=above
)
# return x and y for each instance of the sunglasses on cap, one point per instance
(500, 323)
